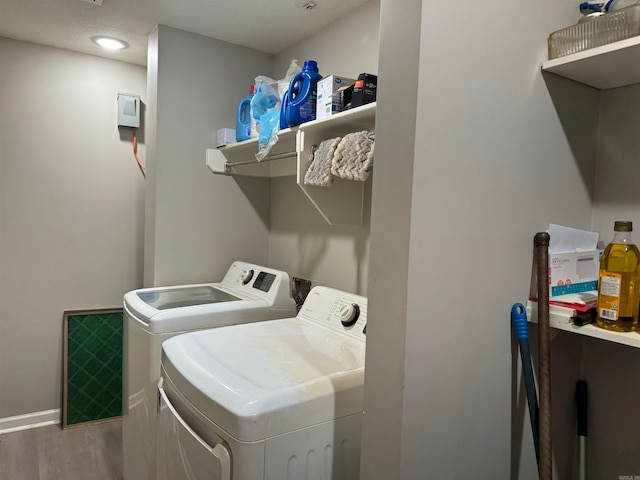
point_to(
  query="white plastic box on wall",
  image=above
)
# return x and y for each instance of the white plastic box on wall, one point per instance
(128, 110)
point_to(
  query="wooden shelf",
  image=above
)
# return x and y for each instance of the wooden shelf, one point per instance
(610, 66)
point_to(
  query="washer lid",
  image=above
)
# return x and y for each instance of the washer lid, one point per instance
(264, 379)
(247, 293)
(176, 297)
(186, 308)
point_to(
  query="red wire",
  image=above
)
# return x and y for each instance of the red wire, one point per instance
(135, 152)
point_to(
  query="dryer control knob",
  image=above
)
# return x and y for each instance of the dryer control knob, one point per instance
(246, 276)
(349, 314)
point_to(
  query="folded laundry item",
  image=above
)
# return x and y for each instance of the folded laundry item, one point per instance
(353, 158)
(319, 172)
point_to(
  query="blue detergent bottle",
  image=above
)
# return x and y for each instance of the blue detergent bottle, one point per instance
(303, 92)
(243, 120)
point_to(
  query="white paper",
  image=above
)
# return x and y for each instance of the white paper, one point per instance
(568, 240)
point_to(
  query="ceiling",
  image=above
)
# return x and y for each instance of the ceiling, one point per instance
(266, 25)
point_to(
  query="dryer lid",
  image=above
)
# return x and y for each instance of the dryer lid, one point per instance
(264, 379)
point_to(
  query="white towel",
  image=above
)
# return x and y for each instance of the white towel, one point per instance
(353, 158)
(319, 173)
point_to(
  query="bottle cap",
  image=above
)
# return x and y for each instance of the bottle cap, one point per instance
(310, 65)
(623, 226)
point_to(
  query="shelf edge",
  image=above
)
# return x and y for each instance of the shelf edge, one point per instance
(562, 322)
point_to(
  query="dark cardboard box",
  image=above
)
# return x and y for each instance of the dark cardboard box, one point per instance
(364, 90)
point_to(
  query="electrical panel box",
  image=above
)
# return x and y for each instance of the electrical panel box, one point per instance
(128, 110)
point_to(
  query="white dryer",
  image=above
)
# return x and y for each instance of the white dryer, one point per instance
(273, 400)
(247, 293)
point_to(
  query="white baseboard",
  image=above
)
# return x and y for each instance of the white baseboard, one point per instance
(29, 420)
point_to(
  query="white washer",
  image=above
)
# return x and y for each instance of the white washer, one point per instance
(273, 400)
(247, 293)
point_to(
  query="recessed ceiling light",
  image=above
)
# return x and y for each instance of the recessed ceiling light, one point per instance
(110, 43)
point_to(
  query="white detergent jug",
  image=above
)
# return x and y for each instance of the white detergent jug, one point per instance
(613, 5)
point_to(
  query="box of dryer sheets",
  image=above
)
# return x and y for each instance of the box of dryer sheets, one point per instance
(574, 260)
(573, 272)
(330, 95)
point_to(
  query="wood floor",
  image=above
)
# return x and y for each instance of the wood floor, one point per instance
(91, 452)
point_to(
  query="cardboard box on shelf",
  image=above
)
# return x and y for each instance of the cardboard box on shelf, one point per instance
(331, 95)
(573, 272)
(364, 90)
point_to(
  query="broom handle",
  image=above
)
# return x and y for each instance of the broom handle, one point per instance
(541, 242)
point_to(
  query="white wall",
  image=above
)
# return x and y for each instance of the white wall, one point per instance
(198, 223)
(300, 240)
(71, 208)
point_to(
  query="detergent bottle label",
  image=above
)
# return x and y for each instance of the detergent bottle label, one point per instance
(308, 108)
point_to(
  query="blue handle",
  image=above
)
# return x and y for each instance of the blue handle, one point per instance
(300, 89)
(587, 7)
(521, 328)
(519, 318)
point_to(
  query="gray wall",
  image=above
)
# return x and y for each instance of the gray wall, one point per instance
(618, 175)
(300, 240)
(493, 165)
(610, 370)
(390, 228)
(476, 152)
(197, 223)
(71, 208)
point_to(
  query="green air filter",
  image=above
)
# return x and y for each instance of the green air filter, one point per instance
(92, 389)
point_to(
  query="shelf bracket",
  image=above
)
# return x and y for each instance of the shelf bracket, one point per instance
(268, 158)
(218, 164)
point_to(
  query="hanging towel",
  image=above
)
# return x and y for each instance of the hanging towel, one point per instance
(353, 158)
(319, 173)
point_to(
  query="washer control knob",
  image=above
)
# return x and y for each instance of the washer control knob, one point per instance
(349, 313)
(246, 276)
